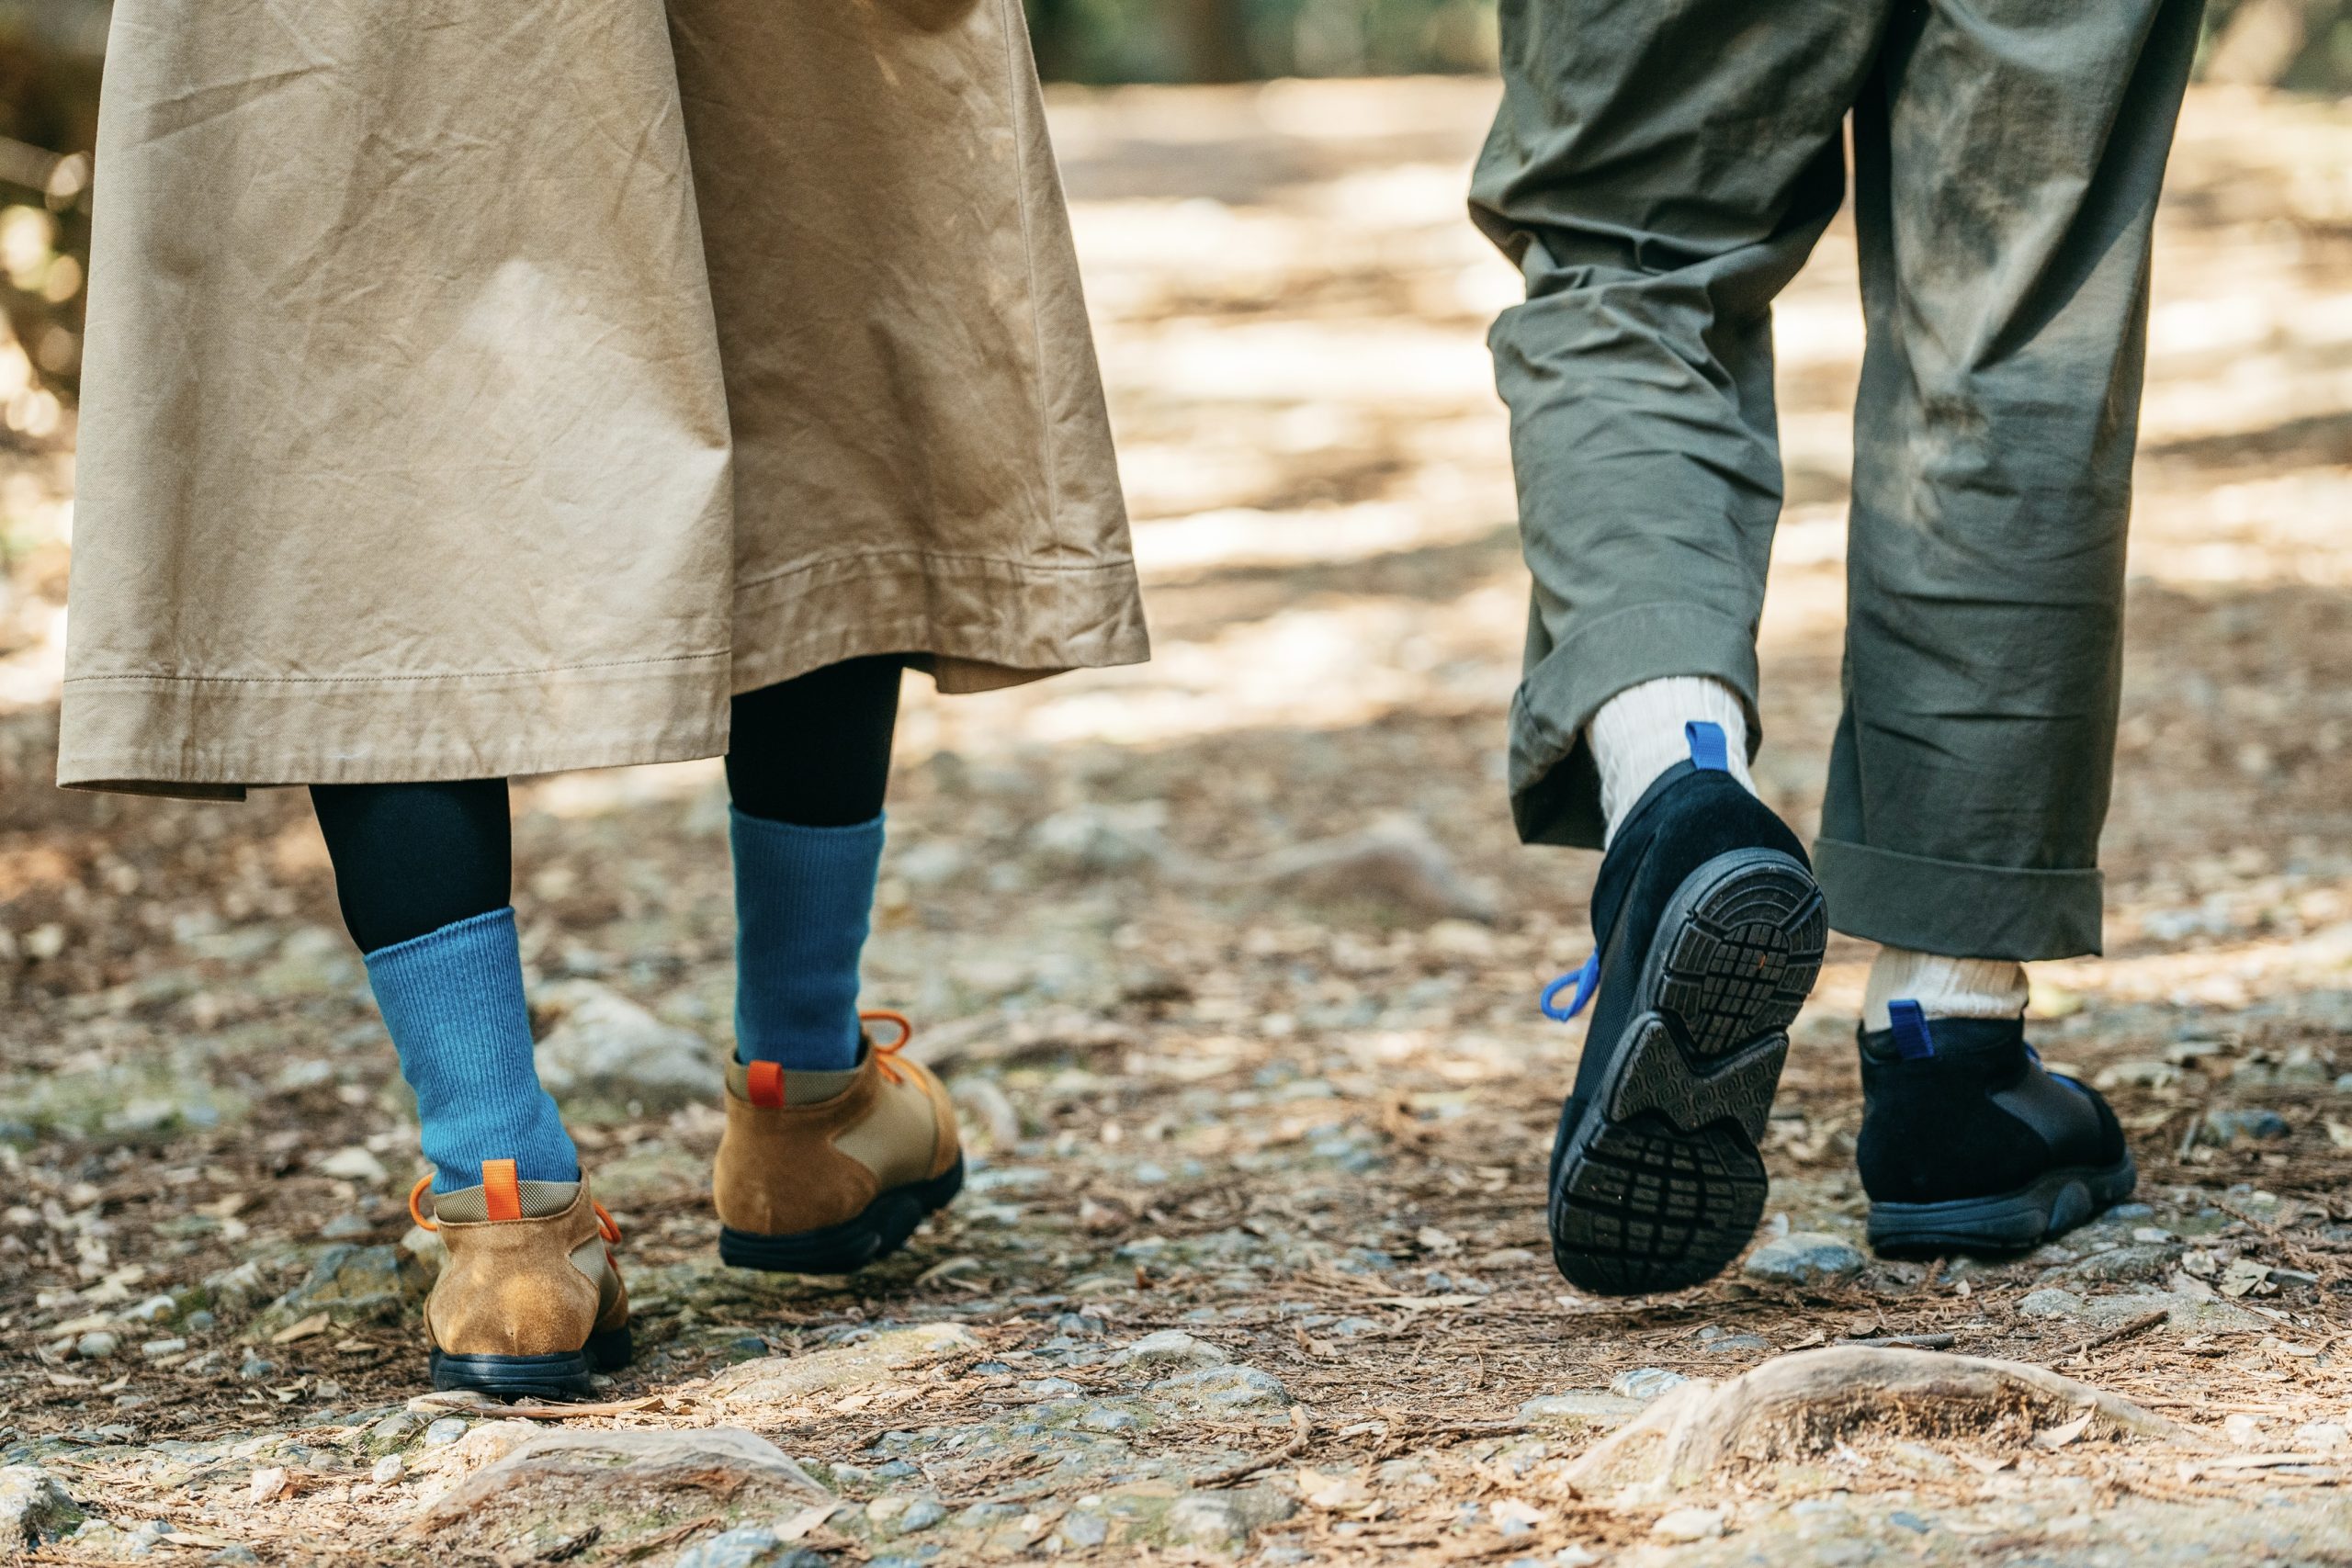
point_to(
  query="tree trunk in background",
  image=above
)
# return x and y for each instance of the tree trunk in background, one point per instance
(1216, 39)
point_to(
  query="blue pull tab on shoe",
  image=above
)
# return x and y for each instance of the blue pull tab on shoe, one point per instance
(1709, 754)
(1908, 1021)
(1586, 980)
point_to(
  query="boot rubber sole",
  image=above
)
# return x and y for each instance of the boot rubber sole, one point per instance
(879, 1230)
(2009, 1222)
(563, 1375)
(1659, 1185)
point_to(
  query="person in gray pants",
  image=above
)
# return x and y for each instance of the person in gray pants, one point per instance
(1658, 173)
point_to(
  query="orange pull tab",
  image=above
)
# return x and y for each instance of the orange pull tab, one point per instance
(500, 1191)
(764, 1082)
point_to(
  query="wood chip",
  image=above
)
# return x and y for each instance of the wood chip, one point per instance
(316, 1324)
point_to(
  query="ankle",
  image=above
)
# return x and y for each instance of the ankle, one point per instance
(1643, 730)
(1942, 986)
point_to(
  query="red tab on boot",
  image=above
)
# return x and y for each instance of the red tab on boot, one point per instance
(764, 1082)
(501, 1194)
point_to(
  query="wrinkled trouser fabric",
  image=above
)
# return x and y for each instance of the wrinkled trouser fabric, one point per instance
(1659, 173)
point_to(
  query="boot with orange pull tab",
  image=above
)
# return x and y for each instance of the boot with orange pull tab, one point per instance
(529, 1302)
(823, 1172)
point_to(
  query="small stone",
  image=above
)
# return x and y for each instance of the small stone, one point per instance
(155, 1349)
(1082, 1530)
(445, 1431)
(877, 1358)
(155, 1309)
(1172, 1348)
(388, 1469)
(97, 1345)
(201, 1322)
(2321, 1437)
(1690, 1524)
(753, 1546)
(1910, 1521)
(346, 1227)
(33, 1508)
(234, 1556)
(268, 1484)
(603, 1047)
(1203, 1521)
(1644, 1383)
(2243, 1125)
(1804, 1258)
(896, 1514)
(2243, 1431)
(394, 1428)
(1579, 1409)
(1214, 1389)
(355, 1164)
(2050, 1302)
(1738, 1344)
(252, 1369)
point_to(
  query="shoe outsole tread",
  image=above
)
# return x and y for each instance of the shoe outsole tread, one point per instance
(564, 1375)
(2049, 1205)
(1661, 1185)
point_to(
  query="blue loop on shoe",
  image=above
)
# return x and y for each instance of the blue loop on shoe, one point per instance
(1586, 980)
(1909, 1021)
(1709, 753)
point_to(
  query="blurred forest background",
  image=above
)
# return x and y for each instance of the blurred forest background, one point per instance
(50, 52)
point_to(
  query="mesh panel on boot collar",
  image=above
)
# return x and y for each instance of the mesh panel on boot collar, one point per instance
(470, 1205)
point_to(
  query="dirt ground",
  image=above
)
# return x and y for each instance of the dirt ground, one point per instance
(1232, 960)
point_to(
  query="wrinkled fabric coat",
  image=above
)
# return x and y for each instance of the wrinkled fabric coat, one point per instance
(492, 387)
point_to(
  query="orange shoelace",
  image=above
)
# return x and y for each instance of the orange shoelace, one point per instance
(606, 1226)
(885, 1058)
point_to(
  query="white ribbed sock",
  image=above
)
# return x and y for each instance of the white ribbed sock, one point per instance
(1637, 735)
(1944, 987)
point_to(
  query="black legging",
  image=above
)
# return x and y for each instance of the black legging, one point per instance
(410, 858)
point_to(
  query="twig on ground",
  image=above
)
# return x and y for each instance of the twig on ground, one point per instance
(2124, 1330)
(1301, 1429)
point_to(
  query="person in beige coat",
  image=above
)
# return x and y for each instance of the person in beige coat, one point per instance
(479, 389)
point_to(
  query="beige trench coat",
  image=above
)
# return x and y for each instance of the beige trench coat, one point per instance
(493, 386)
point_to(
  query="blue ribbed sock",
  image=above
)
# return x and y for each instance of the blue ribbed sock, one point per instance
(452, 1000)
(803, 901)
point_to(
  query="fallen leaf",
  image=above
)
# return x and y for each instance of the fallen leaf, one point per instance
(940, 1270)
(317, 1322)
(2241, 1276)
(806, 1520)
(1984, 1464)
(2058, 1436)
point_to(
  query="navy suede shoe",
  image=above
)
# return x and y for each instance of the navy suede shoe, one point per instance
(1970, 1144)
(1709, 934)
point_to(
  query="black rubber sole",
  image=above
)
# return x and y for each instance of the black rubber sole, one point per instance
(2011, 1222)
(563, 1375)
(879, 1230)
(1658, 1186)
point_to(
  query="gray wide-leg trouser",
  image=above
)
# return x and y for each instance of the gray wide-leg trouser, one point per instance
(1659, 172)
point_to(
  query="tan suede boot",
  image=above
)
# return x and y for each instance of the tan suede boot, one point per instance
(529, 1302)
(823, 1172)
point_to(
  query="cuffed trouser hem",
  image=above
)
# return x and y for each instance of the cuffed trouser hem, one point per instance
(1555, 785)
(1958, 909)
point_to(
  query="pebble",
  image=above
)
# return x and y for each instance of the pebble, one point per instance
(355, 1164)
(896, 1514)
(445, 1431)
(1804, 1258)
(1594, 1409)
(1220, 1388)
(155, 1309)
(2234, 1126)
(1737, 1344)
(2243, 1431)
(2050, 1302)
(234, 1556)
(1644, 1383)
(2321, 1437)
(154, 1348)
(1690, 1524)
(605, 1046)
(97, 1345)
(252, 1369)
(388, 1469)
(267, 1483)
(1172, 1348)
(753, 1546)
(33, 1508)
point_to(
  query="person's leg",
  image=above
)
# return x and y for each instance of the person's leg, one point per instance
(836, 1146)
(2009, 163)
(808, 768)
(1659, 173)
(424, 872)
